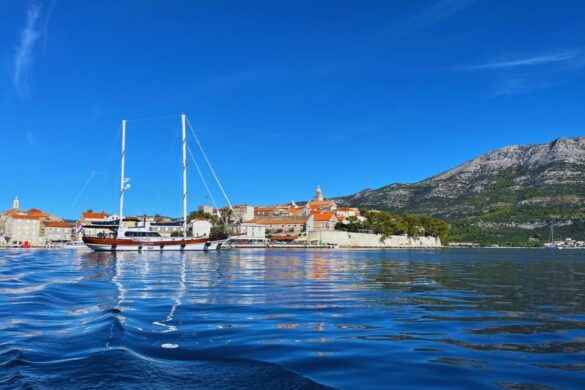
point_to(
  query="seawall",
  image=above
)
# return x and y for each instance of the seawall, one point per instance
(365, 240)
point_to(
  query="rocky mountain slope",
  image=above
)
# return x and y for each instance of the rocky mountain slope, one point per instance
(522, 187)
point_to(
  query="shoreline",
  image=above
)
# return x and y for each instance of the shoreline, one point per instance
(321, 248)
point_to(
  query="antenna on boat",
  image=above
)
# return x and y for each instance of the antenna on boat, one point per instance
(183, 130)
(123, 180)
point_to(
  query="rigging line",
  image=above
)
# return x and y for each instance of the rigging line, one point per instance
(213, 172)
(84, 187)
(152, 118)
(205, 184)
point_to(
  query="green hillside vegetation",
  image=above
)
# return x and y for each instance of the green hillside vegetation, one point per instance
(510, 196)
(388, 224)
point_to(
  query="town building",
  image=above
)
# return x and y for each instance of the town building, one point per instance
(282, 225)
(22, 228)
(248, 230)
(57, 231)
(265, 211)
(200, 227)
(236, 214)
(319, 203)
(207, 209)
(33, 226)
(247, 235)
(348, 212)
(100, 220)
(323, 221)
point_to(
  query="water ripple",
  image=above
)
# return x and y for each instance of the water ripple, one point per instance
(275, 318)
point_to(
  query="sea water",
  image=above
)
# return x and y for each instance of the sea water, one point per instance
(293, 319)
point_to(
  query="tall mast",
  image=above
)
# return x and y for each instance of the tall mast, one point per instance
(122, 179)
(184, 175)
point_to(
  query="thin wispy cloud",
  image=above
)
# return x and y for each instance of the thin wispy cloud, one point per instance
(520, 62)
(519, 75)
(25, 51)
(438, 12)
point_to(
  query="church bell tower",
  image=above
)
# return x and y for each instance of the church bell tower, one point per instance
(318, 195)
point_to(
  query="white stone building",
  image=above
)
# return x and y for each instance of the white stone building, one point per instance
(201, 227)
(57, 231)
(89, 217)
(248, 230)
(282, 225)
(322, 222)
(21, 228)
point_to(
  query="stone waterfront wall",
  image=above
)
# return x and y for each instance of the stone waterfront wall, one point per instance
(365, 240)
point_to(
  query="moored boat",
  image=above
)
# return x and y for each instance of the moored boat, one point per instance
(151, 241)
(140, 239)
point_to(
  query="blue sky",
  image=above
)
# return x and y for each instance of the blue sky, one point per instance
(283, 95)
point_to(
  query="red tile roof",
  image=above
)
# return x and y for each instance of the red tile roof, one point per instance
(320, 203)
(35, 211)
(278, 221)
(23, 216)
(92, 215)
(323, 217)
(265, 208)
(57, 224)
(11, 211)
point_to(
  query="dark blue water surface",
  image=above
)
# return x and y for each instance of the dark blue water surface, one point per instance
(293, 319)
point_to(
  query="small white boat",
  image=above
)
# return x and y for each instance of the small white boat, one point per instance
(552, 244)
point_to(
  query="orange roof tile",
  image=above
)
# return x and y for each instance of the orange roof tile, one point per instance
(59, 224)
(278, 221)
(23, 216)
(35, 211)
(340, 217)
(320, 203)
(323, 217)
(92, 215)
(265, 208)
(346, 208)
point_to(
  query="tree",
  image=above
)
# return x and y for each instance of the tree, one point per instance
(200, 214)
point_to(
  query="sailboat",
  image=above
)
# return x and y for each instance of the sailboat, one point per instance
(551, 244)
(124, 238)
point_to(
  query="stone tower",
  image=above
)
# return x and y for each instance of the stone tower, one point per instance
(16, 203)
(318, 195)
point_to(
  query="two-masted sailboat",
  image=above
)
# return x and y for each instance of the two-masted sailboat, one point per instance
(124, 238)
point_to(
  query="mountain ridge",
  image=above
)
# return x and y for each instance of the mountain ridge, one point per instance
(526, 184)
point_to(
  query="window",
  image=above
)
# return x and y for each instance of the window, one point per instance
(141, 234)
